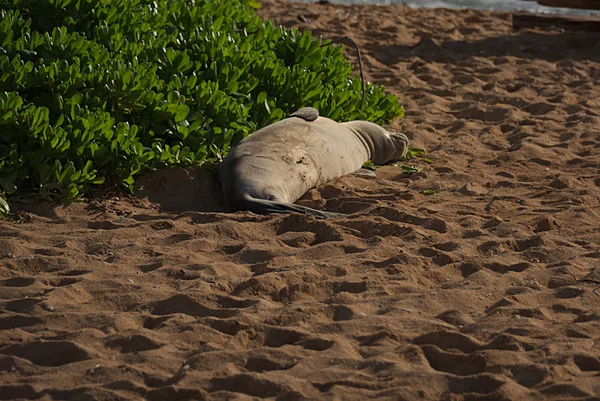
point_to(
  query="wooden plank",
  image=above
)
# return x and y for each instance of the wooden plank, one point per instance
(527, 20)
(584, 4)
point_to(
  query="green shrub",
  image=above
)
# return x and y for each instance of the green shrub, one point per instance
(108, 88)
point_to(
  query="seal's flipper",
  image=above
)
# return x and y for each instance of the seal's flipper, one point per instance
(264, 206)
(306, 113)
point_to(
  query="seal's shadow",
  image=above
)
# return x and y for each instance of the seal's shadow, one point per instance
(181, 190)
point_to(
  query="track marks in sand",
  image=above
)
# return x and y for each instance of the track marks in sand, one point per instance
(17, 282)
(134, 343)
(188, 306)
(369, 228)
(471, 280)
(18, 391)
(251, 384)
(462, 355)
(314, 231)
(396, 215)
(278, 337)
(14, 321)
(48, 353)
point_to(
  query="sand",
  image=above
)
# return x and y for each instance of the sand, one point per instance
(488, 288)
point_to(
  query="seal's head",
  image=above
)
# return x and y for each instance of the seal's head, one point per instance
(401, 143)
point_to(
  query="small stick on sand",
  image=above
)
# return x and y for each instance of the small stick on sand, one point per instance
(362, 75)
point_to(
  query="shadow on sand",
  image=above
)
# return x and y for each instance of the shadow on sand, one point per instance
(527, 44)
(179, 190)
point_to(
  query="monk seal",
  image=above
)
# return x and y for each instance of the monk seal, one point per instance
(275, 166)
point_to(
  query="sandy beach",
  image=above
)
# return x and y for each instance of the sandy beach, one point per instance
(475, 279)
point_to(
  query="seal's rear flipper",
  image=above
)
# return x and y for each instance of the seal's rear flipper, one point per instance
(264, 206)
(306, 113)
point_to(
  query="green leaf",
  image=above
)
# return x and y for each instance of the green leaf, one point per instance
(71, 192)
(4, 207)
(305, 40)
(415, 152)
(410, 169)
(182, 113)
(254, 4)
(8, 186)
(369, 165)
(43, 172)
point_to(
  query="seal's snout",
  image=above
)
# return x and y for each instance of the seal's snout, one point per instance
(401, 141)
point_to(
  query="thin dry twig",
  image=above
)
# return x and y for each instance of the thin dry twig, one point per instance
(360, 65)
(586, 280)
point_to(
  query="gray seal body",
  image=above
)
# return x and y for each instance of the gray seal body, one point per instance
(275, 166)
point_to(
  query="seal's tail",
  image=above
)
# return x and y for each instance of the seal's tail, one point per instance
(264, 206)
